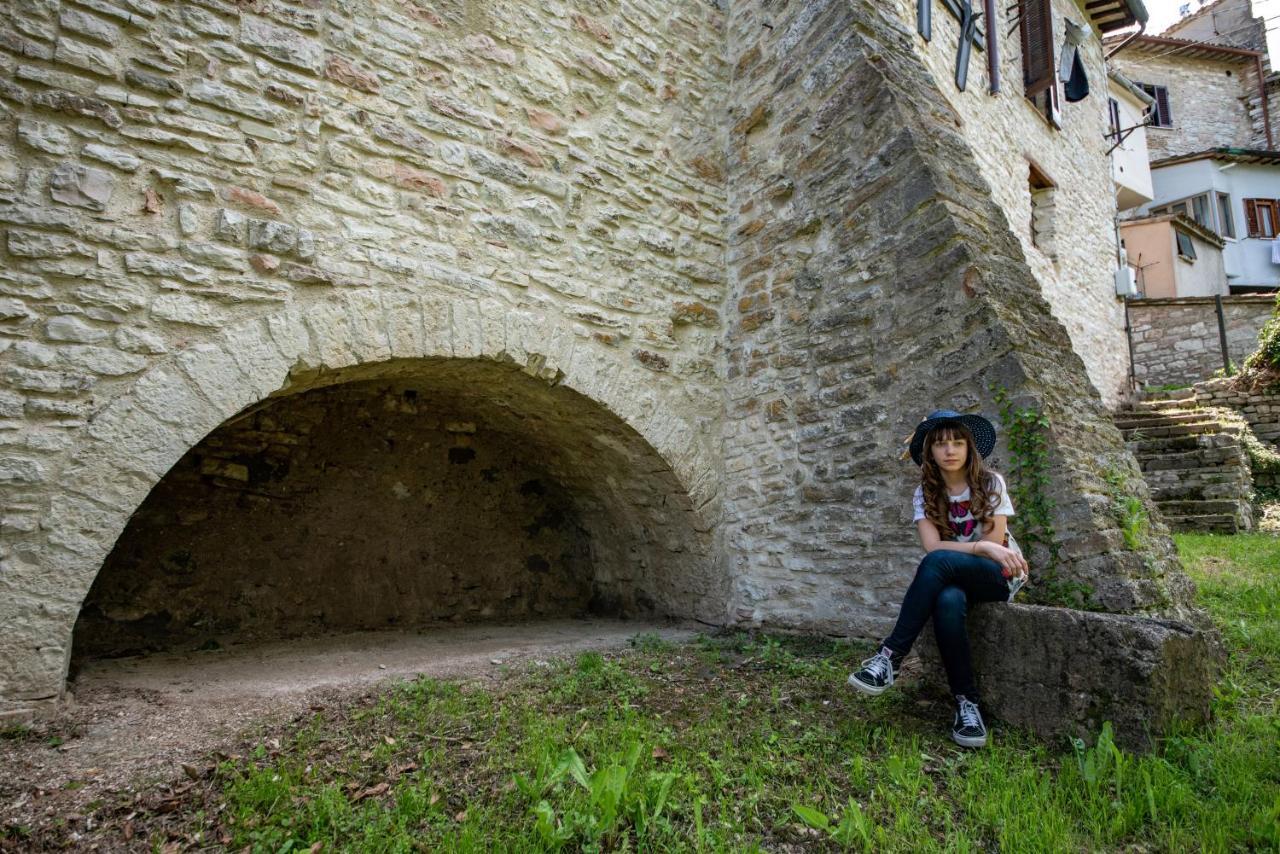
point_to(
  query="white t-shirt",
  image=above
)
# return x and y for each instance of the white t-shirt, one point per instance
(963, 525)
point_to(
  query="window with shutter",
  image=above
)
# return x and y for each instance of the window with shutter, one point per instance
(1037, 46)
(1158, 114)
(1113, 114)
(1261, 216)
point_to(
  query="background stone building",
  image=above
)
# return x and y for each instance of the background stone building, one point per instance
(348, 315)
(1206, 94)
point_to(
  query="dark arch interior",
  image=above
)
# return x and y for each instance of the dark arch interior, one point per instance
(408, 494)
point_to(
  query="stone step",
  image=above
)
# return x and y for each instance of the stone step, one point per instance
(1160, 396)
(1218, 523)
(1196, 428)
(1168, 406)
(1126, 420)
(1164, 445)
(1216, 507)
(1234, 492)
(1204, 458)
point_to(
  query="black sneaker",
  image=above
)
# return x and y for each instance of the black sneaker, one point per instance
(968, 729)
(876, 673)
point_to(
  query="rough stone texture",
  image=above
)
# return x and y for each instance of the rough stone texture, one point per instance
(1195, 463)
(1259, 406)
(1059, 684)
(1006, 133)
(853, 310)
(1176, 341)
(751, 255)
(1208, 99)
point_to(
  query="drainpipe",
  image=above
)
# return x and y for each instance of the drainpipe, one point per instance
(993, 47)
(1142, 28)
(1262, 95)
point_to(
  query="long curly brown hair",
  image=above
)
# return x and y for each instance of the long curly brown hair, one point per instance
(983, 497)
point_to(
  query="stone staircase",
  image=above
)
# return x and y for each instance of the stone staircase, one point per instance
(1193, 462)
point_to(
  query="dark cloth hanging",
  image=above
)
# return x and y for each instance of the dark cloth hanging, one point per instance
(1077, 88)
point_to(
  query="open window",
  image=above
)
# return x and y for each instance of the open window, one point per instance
(1260, 215)
(1186, 248)
(1039, 71)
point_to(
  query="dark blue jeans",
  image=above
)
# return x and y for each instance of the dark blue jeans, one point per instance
(945, 583)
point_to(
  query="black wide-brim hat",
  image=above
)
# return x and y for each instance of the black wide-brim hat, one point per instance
(984, 432)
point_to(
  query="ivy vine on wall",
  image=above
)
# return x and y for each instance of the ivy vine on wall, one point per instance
(1026, 434)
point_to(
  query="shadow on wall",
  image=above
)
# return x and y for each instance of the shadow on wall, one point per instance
(411, 493)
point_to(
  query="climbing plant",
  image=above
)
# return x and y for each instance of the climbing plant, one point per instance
(1024, 429)
(1267, 356)
(1026, 433)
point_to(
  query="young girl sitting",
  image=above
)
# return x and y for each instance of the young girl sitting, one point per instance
(962, 511)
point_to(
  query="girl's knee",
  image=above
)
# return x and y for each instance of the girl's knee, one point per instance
(934, 562)
(951, 601)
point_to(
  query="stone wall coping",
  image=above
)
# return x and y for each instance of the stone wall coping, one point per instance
(1236, 299)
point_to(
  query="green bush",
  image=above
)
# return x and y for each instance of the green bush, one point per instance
(1268, 353)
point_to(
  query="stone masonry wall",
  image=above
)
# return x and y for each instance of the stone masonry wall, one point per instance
(198, 200)
(1006, 134)
(874, 278)
(749, 247)
(1176, 341)
(1207, 99)
(1259, 406)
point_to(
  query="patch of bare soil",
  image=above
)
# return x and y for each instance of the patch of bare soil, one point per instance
(139, 729)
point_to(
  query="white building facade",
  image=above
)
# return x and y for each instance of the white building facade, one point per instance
(1234, 193)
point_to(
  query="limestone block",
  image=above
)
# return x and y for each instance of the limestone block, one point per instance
(258, 357)
(217, 375)
(118, 158)
(133, 340)
(271, 236)
(86, 56)
(45, 137)
(281, 44)
(467, 336)
(404, 325)
(290, 335)
(70, 328)
(82, 186)
(368, 325)
(331, 334)
(180, 308)
(170, 396)
(1056, 671)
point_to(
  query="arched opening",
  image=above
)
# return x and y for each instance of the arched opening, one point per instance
(402, 494)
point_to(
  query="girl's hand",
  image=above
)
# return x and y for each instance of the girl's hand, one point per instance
(1012, 563)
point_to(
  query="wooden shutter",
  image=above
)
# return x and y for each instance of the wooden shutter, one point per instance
(1163, 117)
(1251, 217)
(1037, 46)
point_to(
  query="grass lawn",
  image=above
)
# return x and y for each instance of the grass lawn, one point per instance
(741, 743)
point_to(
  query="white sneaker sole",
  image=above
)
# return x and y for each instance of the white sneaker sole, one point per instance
(873, 690)
(969, 740)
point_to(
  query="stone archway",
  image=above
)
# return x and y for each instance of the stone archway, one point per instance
(133, 442)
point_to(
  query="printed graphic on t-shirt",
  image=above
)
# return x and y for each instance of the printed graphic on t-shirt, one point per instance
(960, 515)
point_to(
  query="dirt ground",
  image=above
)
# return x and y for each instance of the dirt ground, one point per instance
(137, 726)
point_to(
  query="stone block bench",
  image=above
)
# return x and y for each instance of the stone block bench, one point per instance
(1061, 672)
